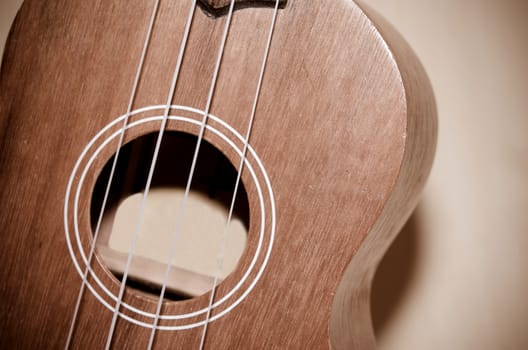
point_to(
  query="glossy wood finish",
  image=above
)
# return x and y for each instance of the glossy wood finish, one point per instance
(345, 128)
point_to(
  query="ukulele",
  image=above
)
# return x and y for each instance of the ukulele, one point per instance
(312, 123)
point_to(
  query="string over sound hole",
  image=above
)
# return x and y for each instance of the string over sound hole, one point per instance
(217, 8)
(199, 241)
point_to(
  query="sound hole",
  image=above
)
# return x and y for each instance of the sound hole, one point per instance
(201, 233)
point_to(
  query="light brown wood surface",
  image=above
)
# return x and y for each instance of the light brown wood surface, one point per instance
(345, 128)
(219, 7)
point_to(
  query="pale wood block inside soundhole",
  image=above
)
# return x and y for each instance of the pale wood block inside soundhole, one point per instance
(198, 246)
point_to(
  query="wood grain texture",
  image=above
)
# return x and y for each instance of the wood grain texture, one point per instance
(345, 128)
(223, 3)
(220, 7)
(351, 324)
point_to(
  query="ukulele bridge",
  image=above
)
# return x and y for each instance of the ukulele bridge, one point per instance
(218, 8)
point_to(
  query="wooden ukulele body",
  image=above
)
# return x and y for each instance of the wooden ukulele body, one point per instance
(345, 131)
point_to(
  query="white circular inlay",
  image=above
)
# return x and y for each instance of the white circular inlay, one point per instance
(266, 233)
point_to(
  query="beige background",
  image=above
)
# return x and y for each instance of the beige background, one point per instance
(457, 276)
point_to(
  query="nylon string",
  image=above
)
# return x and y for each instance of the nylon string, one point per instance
(150, 175)
(221, 254)
(112, 171)
(152, 167)
(182, 208)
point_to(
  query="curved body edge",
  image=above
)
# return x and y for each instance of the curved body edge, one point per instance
(344, 129)
(350, 322)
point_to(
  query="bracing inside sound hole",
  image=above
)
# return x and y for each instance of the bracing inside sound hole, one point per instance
(201, 233)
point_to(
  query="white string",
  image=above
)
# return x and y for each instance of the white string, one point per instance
(150, 175)
(181, 210)
(220, 257)
(112, 171)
